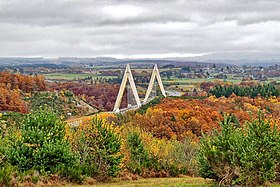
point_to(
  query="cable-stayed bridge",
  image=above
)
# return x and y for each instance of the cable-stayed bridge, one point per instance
(132, 90)
(133, 100)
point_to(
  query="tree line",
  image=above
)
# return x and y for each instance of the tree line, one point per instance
(264, 90)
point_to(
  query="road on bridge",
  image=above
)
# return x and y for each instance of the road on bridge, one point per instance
(173, 93)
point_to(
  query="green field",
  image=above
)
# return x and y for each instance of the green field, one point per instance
(68, 76)
(158, 182)
(184, 81)
(172, 81)
(235, 80)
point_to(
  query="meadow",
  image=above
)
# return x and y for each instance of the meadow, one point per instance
(73, 76)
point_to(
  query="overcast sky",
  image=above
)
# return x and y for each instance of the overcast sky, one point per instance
(137, 28)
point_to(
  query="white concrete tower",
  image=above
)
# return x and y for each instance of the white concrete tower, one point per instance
(127, 75)
(155, 74)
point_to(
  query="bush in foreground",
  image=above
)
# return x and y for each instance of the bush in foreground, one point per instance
(149, 156)
(41, 145)
(247, 156)
(98, 145)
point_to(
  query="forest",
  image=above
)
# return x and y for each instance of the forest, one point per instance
(266, 90)
(230, 135)
(13, 87)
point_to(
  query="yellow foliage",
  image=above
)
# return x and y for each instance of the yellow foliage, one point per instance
(161, 149)
(213, 98)
(251, 107)
(273, 99)
(62, 93)
(84, 127)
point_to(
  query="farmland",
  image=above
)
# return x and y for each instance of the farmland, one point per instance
(171, 77)
(69, 76)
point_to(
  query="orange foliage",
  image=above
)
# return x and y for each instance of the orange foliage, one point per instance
(24, 83)
(10, 100)
(11, 87)
(177, 117)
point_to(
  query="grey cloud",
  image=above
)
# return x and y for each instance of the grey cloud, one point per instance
(81, 28)
(84, 13)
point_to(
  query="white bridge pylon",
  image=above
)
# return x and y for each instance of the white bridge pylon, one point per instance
(128, 75)
(155, 74)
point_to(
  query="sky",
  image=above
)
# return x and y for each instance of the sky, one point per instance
(137, 28)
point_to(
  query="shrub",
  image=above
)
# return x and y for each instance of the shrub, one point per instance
(7, 171)
(3, 149)
(99, 147)
(259, 154)
(139, 157)
(149, 156)
(216, 152)
(10, 120)
(184, 155)
(173, 157)
(245, 156)
(6, 175)
(42, 145)
(74, 172)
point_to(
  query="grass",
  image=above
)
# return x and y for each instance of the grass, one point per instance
(198, 80)
(158, 182)
(70, 76)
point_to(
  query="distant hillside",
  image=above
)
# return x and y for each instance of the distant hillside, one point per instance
(229, 58)
(241, 58)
